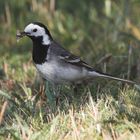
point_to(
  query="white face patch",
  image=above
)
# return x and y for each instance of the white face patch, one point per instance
(37, 31)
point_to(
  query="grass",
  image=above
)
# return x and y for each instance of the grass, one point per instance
(26, 115)
(103, 110)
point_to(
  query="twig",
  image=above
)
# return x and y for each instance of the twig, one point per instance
(105, 58)
(129, 61)
(3, 110)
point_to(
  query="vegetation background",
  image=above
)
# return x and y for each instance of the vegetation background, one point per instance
(106, 33)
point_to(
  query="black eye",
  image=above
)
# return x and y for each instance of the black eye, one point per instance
(34, 30)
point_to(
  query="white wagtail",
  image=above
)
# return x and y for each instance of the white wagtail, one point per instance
(56, 64)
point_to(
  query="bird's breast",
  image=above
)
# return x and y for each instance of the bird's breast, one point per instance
(57, 73)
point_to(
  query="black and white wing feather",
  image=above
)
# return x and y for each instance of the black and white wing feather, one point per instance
(68, 57)
(74, 60)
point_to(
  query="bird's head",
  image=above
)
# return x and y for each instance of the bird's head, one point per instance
(37, 32)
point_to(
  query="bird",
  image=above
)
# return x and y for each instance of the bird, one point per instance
(54, 63)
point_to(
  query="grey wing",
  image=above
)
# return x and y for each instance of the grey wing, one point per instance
(68, 57)
(74, 60)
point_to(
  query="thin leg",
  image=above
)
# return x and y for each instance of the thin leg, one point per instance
(49, 93)
(56, 91)
(52, 93)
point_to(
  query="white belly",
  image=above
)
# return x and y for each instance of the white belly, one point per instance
(59, 74)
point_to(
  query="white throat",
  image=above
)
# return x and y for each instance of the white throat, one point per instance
(46, 40)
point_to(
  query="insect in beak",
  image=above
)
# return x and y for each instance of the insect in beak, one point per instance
(20, 35)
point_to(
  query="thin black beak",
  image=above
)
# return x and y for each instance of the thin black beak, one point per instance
(20, 35)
